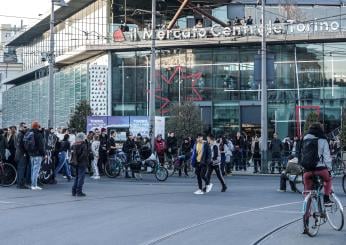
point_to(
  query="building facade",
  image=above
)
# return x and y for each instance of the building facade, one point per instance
(103, 55)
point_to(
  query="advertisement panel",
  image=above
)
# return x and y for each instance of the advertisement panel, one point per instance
(139, 125)
(96, 122)
(160, 126)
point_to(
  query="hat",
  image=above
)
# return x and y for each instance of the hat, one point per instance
(35, 125)
(103, 130)
(80, 137)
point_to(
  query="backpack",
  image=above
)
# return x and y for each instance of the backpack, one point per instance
(29, 141)
(310, 157)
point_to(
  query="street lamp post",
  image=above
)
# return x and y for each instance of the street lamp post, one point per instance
(152, 75)
(264, 106)
(51, 61)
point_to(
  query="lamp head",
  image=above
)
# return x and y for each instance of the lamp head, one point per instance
(60, 3)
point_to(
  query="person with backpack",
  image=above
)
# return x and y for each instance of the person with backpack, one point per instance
(34, 145)
(201, 156)
(79, 160)
(65, 147)
(22, 158)
(214, 165)
(316, 160)
(256, 153)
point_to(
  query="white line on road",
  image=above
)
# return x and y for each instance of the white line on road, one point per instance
(190, 227)
(4, 202)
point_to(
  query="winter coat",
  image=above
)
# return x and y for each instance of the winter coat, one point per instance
(206, 154)
(80, 148)
(39, 150)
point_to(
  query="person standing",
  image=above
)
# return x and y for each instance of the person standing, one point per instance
(223, 149)
(2, 145)
(160, 148)
(276, 148)
(238, 152)
(34, 145)
(11, 145)
(172, 146)
(256, 153)
(103, 155)
(201, 156)
(95, 148)
(186, 148)
(21, 158)
(214, 165)
(79, 159)
(128, 148)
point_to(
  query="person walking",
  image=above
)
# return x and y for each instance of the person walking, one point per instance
(223, 149)
(201, 156)
(79, 160)
(65, 147)
(95, 148)
(34, 145)
(214, 165)
(21, 157)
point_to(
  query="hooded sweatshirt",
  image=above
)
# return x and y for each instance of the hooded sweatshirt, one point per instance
(323, 148)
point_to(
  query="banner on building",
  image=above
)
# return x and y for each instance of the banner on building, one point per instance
(98, 89)
(96, 122)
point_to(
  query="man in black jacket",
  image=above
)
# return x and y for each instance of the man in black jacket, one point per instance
(214, 164)
(22, 158)
(103, 151)
(79, 159)
(172, 146)
(36, 152)
(128, 148)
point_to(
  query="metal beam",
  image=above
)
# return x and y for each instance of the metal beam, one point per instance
(177, 14)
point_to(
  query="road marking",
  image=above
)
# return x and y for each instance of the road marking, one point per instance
(190, 227)
(4, 202)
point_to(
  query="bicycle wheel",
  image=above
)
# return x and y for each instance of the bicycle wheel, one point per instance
(170, 169)
(161, 174)
(344, 183)
(113, 168)
(311, 218)
(335, 214)
(8, 175)
(299, 183)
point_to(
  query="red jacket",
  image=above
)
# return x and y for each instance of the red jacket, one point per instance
(160, 147)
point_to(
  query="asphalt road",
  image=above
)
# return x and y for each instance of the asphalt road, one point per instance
(117, 211)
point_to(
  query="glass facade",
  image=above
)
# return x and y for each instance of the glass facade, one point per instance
(306, 77)
(86, 27)
(31, 99)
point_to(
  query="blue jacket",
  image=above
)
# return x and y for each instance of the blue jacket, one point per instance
(206, 154)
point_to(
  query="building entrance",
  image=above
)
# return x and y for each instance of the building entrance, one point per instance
(250, 120)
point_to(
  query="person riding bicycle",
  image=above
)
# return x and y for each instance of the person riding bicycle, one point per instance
(316, 160)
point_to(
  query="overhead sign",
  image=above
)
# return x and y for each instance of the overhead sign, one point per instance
(232, 31)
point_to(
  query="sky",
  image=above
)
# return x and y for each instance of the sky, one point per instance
(23, 9)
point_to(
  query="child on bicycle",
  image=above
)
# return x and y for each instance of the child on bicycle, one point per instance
(323, 166)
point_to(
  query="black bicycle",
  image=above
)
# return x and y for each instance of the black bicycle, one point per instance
(344, 182)
(8, 174)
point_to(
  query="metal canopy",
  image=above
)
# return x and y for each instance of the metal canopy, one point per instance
(42, 26)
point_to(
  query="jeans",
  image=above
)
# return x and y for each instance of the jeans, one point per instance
(200, 171)
(211, 168)
(77, 187)
(95, 167)
(63, 162)
(22, 164)
(35, 169)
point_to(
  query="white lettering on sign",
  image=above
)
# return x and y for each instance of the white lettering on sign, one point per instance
(229, 31)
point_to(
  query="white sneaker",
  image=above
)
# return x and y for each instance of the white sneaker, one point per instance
(198, 192)
(33, 188)
(209, 187)
(38, 188)
(96, 177)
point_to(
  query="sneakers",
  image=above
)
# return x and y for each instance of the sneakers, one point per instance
(209, 187)
(81, 194)
(224, 188)
(198, 192)
(279, 190)
(95, 177)
(34, 188)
